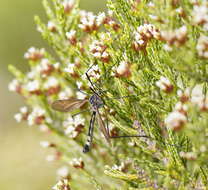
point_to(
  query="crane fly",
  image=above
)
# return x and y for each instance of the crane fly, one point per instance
(96, 103)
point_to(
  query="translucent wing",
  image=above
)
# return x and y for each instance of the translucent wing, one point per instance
(68, 105)
(102, 126)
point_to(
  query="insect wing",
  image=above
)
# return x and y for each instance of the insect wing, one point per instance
(102, 126)
(68, 105)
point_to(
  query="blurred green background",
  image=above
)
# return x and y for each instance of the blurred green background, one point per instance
(23, 165)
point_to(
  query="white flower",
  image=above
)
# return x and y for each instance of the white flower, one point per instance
(79, 84)
(24, 109)
(81, 95)
(71, 132)
(71, 125)
(36, 113)
(13, 85)
(202, 46)
(57, 65)
(31, 74)
(62, 184)
(100, 18)
(18, 117)
(181, 32)
(184, 96)
(51, 82)
(44, 128)
(119, 167)
(123, 66)
(68, 5)
(71, 34)
(34, 54)
(45, 144)
(197, 96)
(63, 172)
(167, 47)
(180, 107)
(87, 21)
(51, 26)
(66, 94)
(79, 120)
(175, 120)
(44, 64)
(51, 158)
(97, 54)
(77, 162)
(200, 14)
(70, 68)
(164, 84)
(32, 85)
(22, 115)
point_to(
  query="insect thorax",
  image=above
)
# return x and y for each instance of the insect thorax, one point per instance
(96, 101)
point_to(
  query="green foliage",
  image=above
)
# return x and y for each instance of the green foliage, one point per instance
(160, 70)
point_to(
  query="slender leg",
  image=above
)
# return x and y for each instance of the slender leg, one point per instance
(80, 112)
(92, 85)
(90, 134)
(127, 136)
(82, 92)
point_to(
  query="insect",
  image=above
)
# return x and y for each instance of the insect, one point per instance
(96, 103)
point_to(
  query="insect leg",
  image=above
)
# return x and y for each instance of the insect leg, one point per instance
(128, 136)
(144, 136)
(82, 92)
(92, 85)
(80, 112)
(90, 134)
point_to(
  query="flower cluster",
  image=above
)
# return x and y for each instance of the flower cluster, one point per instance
(74, 125)
(90, 22)
(99, 51)
(63, 173)
(200, 14)
(94, 72)
(45, 67)
(71, 68)
(37, 116)
(199, 99)
(15, 86)
(175, 120)
(51, 86)
(184, 96)
(164, 84)
(52, 26)
(34, 54)
(23, 115)
(33, 87)
(46, 144)
(62, 184)
(68, 5)
(77, 163)
(120, 167)
(123, 69)
(202, 46)
(71, 36)
(175, 38)
(143, 35)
